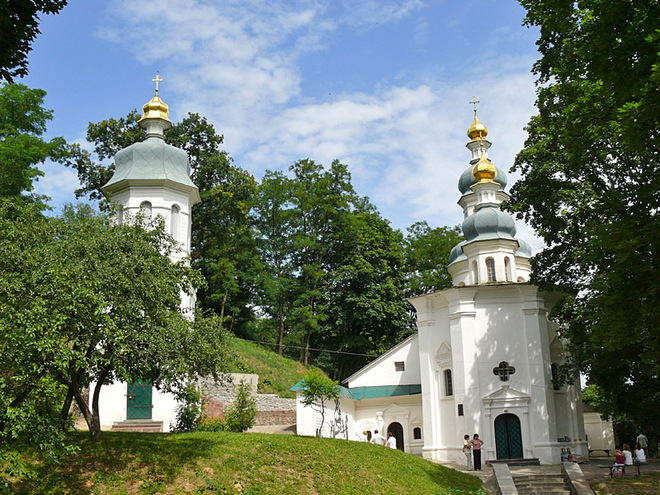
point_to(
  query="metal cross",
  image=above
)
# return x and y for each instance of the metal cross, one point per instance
(474, 102)
(158, 79)
(504, 371)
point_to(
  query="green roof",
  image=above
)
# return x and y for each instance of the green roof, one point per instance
(359, 393)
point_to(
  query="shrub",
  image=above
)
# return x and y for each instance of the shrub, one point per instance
(240, 416)
(189, 411)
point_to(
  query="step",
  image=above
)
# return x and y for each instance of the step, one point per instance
(516, 462)
(139, 426)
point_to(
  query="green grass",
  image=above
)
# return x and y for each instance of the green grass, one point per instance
(276, 374)
(646, 484)
(248, 463)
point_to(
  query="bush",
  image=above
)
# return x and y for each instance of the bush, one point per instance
(240, 416)
(189, 411)
(211, 424)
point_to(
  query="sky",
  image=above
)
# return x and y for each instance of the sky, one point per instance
(382, 85)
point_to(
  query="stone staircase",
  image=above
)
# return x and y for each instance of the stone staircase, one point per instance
(539, 480)
(138, 425)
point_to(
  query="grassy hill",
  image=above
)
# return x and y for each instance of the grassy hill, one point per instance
(276, 374)
(233, 463)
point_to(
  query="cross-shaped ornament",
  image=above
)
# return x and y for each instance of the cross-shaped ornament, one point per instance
(157, 80)
(474, 102)
(504, 371)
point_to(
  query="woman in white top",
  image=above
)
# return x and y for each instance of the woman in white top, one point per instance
(640, 458)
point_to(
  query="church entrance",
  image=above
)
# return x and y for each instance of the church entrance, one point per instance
(508, 437)
(138, 400)
(397, 432)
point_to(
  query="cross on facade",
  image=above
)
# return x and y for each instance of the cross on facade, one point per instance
(474, 102)
(504, 371)
(157, 80)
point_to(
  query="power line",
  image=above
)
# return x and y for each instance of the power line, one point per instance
(313, 349)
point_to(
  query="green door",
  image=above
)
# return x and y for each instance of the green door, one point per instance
(138, 400)
(508, 438)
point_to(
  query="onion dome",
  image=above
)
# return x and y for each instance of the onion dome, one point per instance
(477, 130)
(489, 222)
(484, 170)
(524, 249)
(457, 253)
(467, 180)
(155, 109)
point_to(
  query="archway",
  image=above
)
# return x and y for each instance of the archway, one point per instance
(397, 432)
(508, 437)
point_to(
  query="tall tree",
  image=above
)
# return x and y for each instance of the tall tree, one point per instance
(590, 188)
(221, 238)
(88, 300)
(19, 25)
(23, 122)
(426, 252)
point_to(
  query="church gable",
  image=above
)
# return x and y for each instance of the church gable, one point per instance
(398, 366)
(506, 396)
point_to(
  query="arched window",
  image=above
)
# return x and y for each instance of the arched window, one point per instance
(490, 269)
(145, 209)
(507, 269)
(417, 433)
(449, 385)
(554, 369)
(174, 219)
(475, 273)
(120, 215)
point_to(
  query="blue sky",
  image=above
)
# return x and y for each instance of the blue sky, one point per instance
(381, 85)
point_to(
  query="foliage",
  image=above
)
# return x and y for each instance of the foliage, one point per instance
(426, 252)
(259, 463)
(590, 180)
(22, 125)
(210, 424)
(189, 410)
(88, 300)
(221, 243)
(317, 389)
(240, 416)
(19, 25)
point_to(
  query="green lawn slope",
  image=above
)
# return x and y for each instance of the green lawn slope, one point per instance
(233, 463)
(276, 374)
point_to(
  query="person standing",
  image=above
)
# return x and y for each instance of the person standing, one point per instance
(476, 451)
(378, 439)
(391, 440)
(643, 443)
(467, 450)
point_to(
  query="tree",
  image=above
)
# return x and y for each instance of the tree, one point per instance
(240, 416)
(222, 248)
(316, 390)
(22, 123)
(19, 25)
(426, 253)
(88, 300)
(590, 188)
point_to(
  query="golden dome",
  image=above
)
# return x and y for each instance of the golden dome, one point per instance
(156, 109)
(477, 129)
(484, 170)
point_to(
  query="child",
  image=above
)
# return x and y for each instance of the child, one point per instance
(619, 461)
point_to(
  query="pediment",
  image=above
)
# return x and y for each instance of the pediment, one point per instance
(443, 354)
(507, 394)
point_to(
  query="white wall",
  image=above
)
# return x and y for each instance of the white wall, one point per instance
(383, 372)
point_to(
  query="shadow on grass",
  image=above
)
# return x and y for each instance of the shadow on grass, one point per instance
(121, 459)
(443, 476)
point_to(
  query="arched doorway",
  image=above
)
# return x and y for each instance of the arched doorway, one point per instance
(508, 437)
(397, 432)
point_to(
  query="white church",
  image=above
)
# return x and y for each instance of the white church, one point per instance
(484, 359)
(151, 177)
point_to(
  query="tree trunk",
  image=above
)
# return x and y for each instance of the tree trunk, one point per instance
(222, 308)
(66, 407)
(309, 334)
(93, 422)
(280, 337)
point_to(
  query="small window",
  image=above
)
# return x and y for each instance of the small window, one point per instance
(554, 369)
(507, 269)
(490, 268)
(145, 209)
(175, 221)
(120, 215)
(449, 386)
(460, 410)
(399, 366)
(417, 433)
(475, 273)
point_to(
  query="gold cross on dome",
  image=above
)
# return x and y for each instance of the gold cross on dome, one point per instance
(158, 79)
(474, 102)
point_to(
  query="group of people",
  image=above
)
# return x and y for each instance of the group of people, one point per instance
(623, 458)
(378, 439)
(472, 449)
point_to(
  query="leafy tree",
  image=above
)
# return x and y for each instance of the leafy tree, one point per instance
(317, 389)
(222, 248)
(88, 300)
(590, 181)
(19, 25)
(240, 416)
(426, 253)
(22, 125)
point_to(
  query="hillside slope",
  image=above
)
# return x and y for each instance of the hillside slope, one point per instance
(245, 463)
